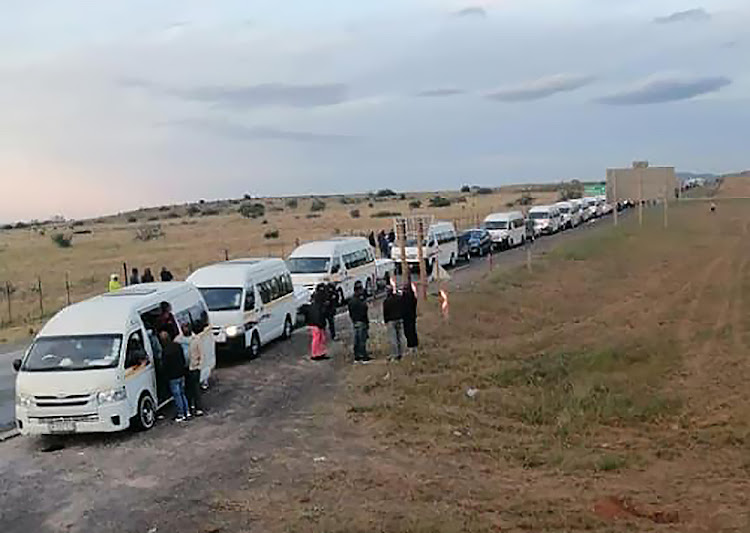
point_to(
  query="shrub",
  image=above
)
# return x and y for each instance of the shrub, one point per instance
(271, 234)
(149, 232)
(255, 210)
(132, 218)
(209, 211)
(439, 201)
(354, 213)
(525, 199)
(402, 196)
(275, 209)
(193, 210)
(264, 222)
(77, 223)
(164, 208)
(292, 203)
(312, 215)
(153, 218)
(6, 226)
(172, 214)
(62, 240)
(317, 205)
(484, 190)
(21, 225)
(385, 214)
(466, 188)
(460, 200)
(370, 204)
(385, 193)
(247, 196)
(415, 204)
(201, 201)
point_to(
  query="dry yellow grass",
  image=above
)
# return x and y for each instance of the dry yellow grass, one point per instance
(189, 242)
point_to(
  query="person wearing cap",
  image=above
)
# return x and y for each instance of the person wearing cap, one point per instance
(114, 283)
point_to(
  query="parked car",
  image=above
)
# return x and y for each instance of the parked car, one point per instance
(476, 242)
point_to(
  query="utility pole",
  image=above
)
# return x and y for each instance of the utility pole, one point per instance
(613, 173)
(638, 166)
(666, 203)
(401, 236)
(420, 258)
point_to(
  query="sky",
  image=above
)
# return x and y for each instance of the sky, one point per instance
(110, 106)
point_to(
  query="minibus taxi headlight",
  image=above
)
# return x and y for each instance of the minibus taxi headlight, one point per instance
(234, 331)
(24, 400)
(111, 396)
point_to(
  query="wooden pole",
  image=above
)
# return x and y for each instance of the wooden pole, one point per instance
(41, 297)
(401, 237)
(420, 258)
(226, 254)
(640, 196)
(67, 287)
(528, 257)
(666, 204)
(125, 272)
(614, 195)
(7, 293)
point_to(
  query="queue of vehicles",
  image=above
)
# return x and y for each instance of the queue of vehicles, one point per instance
(94, 366)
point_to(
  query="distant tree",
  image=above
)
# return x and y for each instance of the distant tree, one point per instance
(193, 210)
(354, 213)
(415, 204)
(484, 190)
(385, 193)
(466, 188)
(255, 210)
(385, 214)
(271, 234)
(317, 205)
(248, 196)
(439, 201)
(292, 203)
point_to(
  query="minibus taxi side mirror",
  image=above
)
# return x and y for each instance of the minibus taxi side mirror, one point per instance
(335, 268)
(17, 364)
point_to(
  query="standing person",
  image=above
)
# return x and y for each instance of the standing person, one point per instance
(358, 312)
(371, 238)
(114, 283)
(316, 321)
(193, 379)
(332, 303)
(147, 277)
(409, 315)
(165, 274)
(174, 371)
(383, 244)
(135, 279)
(392, 318)
(166, 321)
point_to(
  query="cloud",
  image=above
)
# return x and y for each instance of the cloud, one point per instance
(666, 89)
(690, 15)
(256, 133)
(270, 95)
(541, 88)
(475, 11)
(440, 93)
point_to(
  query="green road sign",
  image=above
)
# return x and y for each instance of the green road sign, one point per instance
(597, 189)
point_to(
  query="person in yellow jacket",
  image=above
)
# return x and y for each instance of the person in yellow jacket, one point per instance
(114, 283)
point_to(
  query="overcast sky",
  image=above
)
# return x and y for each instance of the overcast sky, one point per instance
(111, 105)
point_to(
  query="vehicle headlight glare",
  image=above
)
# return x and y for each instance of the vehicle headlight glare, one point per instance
(234, 331)
(111, 396)
(24, 400)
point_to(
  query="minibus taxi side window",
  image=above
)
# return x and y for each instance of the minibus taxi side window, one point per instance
(249, 298)
(135, 353)
(335, 265)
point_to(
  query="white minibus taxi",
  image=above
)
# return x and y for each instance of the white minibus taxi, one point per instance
(570, 213)
(591, 207)
(506, 229)
(546, 219)
(343, 261)
(250, 302)
(93, 366)
(440, 247)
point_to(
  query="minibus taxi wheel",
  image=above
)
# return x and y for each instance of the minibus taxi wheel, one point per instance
(287, 327)
(253, 351)
(146, 416)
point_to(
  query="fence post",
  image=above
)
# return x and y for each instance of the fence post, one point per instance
(67, 286)
(125, 272)
(226, 254)
(7, 292)
(41, 297)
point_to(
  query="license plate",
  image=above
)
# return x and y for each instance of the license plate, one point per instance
(61, 426)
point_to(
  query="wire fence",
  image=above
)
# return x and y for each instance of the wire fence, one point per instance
(30, 300)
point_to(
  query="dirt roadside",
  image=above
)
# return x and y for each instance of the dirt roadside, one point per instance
(268, 423)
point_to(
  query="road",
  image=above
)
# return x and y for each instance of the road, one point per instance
(167, 479)
(7, 385)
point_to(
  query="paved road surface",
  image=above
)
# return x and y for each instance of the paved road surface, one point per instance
(7, 385)
(166, 479)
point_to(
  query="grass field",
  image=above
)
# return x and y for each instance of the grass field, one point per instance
(28, 255)
(610, 395)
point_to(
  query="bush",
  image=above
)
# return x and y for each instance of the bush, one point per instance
(275, 209)
(149, 232)
(61, 240)
(439, 201)
(312, 215)
(317, 205)
(247, 196)
(354, 213)
(172, 214)
(385, 193)
(466, 188)
(484, 190)
(153, 218)
(132, 218)
(6, 226)
(252, 210)
(264, 222)
(370, 204)
(460, 200)
(21, 225)
(193, 210)
(402, 196)
(385, 214)
(271, 234)
(201, 201)
(209, 211)
(292, 203)
(77, 223)
(525, 199)
(415, 204)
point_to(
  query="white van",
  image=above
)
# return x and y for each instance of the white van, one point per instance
(506, 229)
(440, 247)
(570, 213)
(546, 219)
(250, 302)
(92, 367)
(343, 261)
(592, 208)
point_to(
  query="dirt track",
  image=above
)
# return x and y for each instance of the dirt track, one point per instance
(170, 477)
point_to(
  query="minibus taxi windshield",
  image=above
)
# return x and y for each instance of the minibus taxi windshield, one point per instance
(308, 265)
(222, 299)
(73, 353)
(539, 215)
(496, 224)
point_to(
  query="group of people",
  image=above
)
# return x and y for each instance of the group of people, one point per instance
(136, 278)
(178, 353)
(382, 241)
(399, 316)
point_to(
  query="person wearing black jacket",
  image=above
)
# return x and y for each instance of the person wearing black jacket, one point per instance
(392, 309)
(332, 303)
(316, 321)
(173, 361)
(358, 312)
(409, 316)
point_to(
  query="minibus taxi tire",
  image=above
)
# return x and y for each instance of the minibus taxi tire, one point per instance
(288, 328)
(253, 350)
(142, 421)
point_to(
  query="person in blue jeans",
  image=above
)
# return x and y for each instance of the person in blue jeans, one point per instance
(173, 359)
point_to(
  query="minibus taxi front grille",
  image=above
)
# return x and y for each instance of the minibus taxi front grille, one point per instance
(65, 418)
(71, 400)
